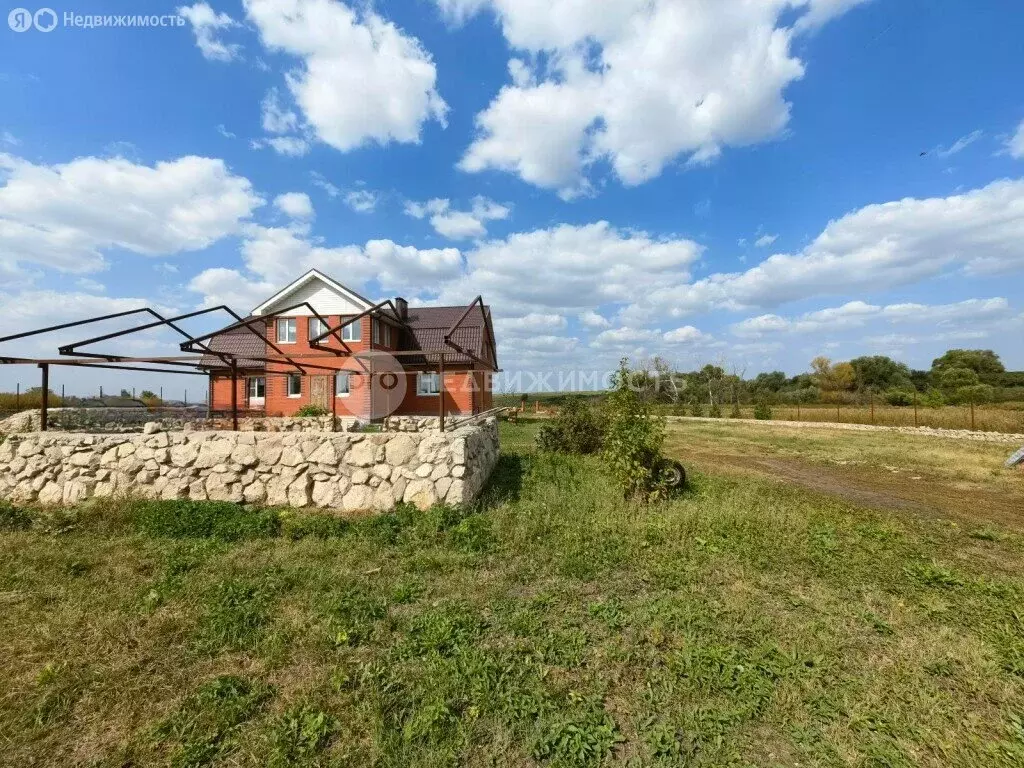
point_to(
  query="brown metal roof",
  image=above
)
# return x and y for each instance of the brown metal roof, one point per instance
(241, 342)
(428, 326)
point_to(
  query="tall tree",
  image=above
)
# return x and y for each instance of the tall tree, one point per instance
(981, 361)
(878, 372)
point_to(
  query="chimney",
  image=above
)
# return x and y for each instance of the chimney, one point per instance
(403, 308)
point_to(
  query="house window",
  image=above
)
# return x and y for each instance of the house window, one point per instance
(376, 331)
(342, 385)
(257, 389)
(294, 385)
(317, 327)
(286, 330)
(387, 336)
(428, 384)
(352, 332)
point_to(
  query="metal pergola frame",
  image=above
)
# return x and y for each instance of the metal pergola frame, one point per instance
(190, 365)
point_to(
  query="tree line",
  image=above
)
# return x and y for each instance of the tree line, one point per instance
(959, 376)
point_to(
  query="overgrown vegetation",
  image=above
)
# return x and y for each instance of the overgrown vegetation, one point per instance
(576, 428)
(744, 623)
(312, 411)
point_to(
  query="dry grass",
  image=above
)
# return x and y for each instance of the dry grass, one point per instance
(744, 623)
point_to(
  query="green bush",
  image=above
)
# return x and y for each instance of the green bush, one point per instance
(977, 393)
(316, 526)
(735, 412)
(899, 397)
(311, 411)
(632, 441)
(576, 429)
(933, 398)
(696, 409)
(763, 411)
(205, 520)
(715, 411)
(14, 518)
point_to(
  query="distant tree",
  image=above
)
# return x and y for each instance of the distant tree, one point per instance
(922, 380)
(878, 372)
(148, 395)
(126, 393)
(831, 377)
(952, 379)
(768, 382)
(981, 361)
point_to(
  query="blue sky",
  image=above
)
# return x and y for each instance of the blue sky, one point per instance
(739, 182)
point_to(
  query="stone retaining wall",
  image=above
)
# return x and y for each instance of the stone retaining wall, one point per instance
(126, 420)
(345, 471)
(416, 423)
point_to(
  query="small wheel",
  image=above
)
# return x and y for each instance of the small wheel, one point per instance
(673, 474)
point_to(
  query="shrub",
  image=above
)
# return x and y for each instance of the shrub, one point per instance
(763, 411)
(899, 397)
(575, 429)
(14, 518)
(715, 411)
(696, 409)
(735, 412)
(977, 393)
(312, 411)
(205, 520)
(933, 398)
(632, 441)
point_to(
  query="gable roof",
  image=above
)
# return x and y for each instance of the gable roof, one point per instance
(430, 324)
(237, 341)
(313, 274)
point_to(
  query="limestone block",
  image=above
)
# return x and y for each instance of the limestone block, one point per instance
(213, 452)
(383, 471)
(358, 498)
(424, 470)
(458, 471)
(421, 493)
(360, 476)
(399, 450)
(255, 492)
(244, 455)
(323, 453)
(362, 454)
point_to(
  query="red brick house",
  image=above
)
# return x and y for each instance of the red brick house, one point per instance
(319, 343)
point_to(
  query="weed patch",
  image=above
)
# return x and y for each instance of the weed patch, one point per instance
(204, 519)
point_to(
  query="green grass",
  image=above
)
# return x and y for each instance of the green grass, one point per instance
(744, 622)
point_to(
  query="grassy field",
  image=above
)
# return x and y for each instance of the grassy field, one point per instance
(747, 622)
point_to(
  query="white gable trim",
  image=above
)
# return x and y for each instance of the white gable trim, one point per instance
(307, 278)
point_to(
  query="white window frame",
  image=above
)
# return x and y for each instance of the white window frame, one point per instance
(289, 324)
(376, 330)
(320, 328)
(337, 385)
(294, 377)
(427, 377)
(261, 383)
(387, 335)
(352, 331)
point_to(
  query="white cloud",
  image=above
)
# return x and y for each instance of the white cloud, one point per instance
(765, 240)
(360, 79)
(592, 319)
(960, 144)
(65, 216)
(1015, 144)
(639, 84)
(458, 225)
(274, 256)
(297, 205)
(626, 337)
(362, 200)
(572, 268)
(92, 286)
(276, 118)
(225, 132)
(531, 324)
(289, 146)
(884, 245)
(685, 335)
(8, 138)
(332, 190)
(207, 24)
(856, 314)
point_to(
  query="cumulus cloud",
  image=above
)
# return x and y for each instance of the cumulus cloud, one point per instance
(1015, 144)
(360, 79)
(530, 324)
(685, 335)
(639, 84)
(274, 256)
(571, 268)
(296, 205)
(65, 216)
(882, 245)
(591, 319)
(362, 200)
(856, 314)
(454, 224)
(207, 24)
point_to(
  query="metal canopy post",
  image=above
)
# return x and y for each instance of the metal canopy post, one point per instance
(440, 390)
(44, 412)
(234, 395)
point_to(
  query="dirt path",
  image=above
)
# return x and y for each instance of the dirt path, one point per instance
(955, 434)
(875, 487)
